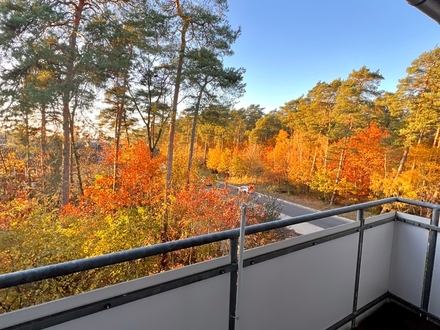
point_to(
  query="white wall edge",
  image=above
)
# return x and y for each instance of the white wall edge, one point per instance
(415, 218)
(380, 217)
(298, 240)
(60, 305)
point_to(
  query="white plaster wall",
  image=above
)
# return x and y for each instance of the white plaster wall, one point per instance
(199, 306)
(408, 260)
(305, 290)
(375, 264)
(434, 301)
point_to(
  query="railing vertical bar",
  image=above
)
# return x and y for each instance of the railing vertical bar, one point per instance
(240, 259)
(430, 258)
(233, 247)
(361, 219)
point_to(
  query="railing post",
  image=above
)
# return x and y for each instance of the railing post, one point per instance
(429, 264)
(236, 276)
(360, 218)
(233, 247)
(240, 258)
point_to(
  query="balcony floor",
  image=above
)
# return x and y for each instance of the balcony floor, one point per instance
(394, 317)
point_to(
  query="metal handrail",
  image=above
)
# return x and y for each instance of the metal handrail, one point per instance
(70, 267)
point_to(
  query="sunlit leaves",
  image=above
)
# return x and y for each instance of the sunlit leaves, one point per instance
(139, 182)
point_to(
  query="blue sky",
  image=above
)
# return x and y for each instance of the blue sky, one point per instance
(287, 46)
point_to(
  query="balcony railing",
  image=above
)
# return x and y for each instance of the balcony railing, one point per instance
(325, 280)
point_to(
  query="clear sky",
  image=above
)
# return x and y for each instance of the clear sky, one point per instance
(287, 46)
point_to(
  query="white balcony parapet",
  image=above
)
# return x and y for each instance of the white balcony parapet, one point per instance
(329, 279)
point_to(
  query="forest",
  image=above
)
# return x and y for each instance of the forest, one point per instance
(118, 121)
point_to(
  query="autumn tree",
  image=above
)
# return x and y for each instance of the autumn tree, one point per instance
(314, 115)
(353, 110)
(213, 122)
(153, 68)
(195, 25)
(57, 40)
(267, 128)
(210, 79)
(253, 156)
(417, 97)
(278, 160)
(365, 161)
(139, 182)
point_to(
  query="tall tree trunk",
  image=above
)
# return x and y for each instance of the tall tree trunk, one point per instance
(117, 146)
(170, 154)
(402, 163)
(72, 148)
(153, 133)
(237, 145)
(68, 82)
(315, 155)
(194, 129)
(76, 159)
(421, 134)
(28, 145)
(205, 151)
(127, 132)
(404, 158)
(43, 149)
(435, 144)
(66, 152)
(2, 158)
(120, 108)
(339, 172)
(326, 153)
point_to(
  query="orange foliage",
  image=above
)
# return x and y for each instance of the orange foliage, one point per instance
(278, 158)
(365, 156)
(307, 157)
(214, 158)
(198, 210)
(13, 180)
(14, 212)
(139, 182)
